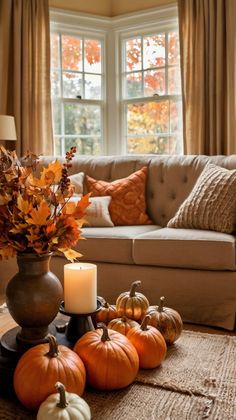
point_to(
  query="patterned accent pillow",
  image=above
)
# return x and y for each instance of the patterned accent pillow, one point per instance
(211, 205)
(128, 204)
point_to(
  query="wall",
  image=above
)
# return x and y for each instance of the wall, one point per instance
(96, 7)
(107, 7)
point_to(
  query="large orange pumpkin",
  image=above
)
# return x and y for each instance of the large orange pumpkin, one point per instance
(110, 359)
(149, 343)
(166, 320)
(106, 313)
(132, 304)
(43, 365)
(122, 325)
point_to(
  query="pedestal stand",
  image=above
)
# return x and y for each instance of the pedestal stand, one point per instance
(77, 326)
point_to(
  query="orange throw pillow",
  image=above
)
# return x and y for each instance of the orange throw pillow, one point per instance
(128, 204)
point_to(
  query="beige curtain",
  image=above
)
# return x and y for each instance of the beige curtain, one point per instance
(208, 65)
(25, 72)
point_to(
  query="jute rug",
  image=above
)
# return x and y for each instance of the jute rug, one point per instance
(197, 380)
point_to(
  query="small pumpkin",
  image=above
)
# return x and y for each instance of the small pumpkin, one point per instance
(41, 367)
(166, 320)
(149, 343)
(64, 406)
(122, 325)
(118, 360)
(106, 313)
(132, 304)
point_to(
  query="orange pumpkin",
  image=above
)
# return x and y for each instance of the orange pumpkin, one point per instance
(149, 343)
(106, 313)
(43, 365)
(166, 320)
(122, 325)
(110, 359)
(132, 304)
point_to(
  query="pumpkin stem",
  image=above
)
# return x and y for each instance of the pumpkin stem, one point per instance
(61, 389)
(53, 347)
(133, 288)
(105, 336)
(106, 305)
(124, 319)
(161, 304)
(144, 323)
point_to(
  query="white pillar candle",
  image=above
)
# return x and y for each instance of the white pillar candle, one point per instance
(80, 288)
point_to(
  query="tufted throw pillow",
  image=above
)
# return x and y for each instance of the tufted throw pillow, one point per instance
(211, 205)
(128, 204)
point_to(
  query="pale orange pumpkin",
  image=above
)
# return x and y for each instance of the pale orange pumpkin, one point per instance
(110, 359)
(149, 343)
(43, 365)
(122, 325)
(132, 304)
(106, 313)
(166, 320)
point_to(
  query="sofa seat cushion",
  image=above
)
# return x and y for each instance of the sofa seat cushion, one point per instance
(110, 244)
(185, 248)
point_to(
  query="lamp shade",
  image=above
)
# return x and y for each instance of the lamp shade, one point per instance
(7, 128)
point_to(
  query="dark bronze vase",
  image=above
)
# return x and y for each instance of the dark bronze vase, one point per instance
(33, 297)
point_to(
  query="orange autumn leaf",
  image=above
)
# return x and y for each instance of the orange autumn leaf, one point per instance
(39, 216)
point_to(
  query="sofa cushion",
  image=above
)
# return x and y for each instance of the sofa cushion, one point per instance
(110, 244)
(97, 213)
(212, 203)
(128, 204)
(185, 248)
(77, 180)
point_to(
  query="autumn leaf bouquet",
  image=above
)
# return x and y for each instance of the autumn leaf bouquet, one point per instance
(36, 214)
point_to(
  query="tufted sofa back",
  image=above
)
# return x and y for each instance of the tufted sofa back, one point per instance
(170, 178)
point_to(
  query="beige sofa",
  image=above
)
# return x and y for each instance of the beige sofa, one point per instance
(194, 269)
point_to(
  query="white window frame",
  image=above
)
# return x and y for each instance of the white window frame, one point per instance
(112, 31)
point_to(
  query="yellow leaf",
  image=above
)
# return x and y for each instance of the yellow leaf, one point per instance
(52, 173)
(70, 254)
(38, 216)
(23, 205)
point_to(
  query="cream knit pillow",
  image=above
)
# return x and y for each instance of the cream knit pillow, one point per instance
(211, 205)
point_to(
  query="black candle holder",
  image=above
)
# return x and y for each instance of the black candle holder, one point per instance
(77, 326)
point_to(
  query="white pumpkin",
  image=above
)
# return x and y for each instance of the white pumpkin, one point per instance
(64, 406)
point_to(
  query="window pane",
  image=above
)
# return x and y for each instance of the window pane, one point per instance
(148, 118)
(133, 87)
(151, 144)
(56, 108)
(93, 86)
(92, 56)
(55, 84)
(72, 85)
(82, 119)
(57, 146)
(71, 53)
(154, 51)
(175, 116)
(84, 145)
(174, 82)
(133, 54)
(173, 48)
(154, 82)
(55, 62)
